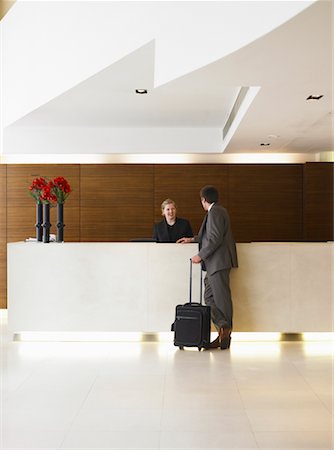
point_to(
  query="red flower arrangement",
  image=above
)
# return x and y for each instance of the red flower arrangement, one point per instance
(47, 195)
(36, 188)
(61, 189)
(44, 191)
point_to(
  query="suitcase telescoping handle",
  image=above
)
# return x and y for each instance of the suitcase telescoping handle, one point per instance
(191, 282)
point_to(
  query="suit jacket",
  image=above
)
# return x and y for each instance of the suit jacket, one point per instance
(182, 228)
(216, 242)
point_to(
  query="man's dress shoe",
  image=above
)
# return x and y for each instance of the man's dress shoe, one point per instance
(215, 343)
(224, 337)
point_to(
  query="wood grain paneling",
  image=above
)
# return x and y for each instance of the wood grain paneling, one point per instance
(266, 202)
(3, 238)
(182, 183)
(318, 201)
(116, 202)
(21, 206)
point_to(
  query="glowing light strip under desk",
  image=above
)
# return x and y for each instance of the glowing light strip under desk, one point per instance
(39, 336)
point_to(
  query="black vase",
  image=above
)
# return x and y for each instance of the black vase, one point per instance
(39, 220)
(46, 222)
(60, 222)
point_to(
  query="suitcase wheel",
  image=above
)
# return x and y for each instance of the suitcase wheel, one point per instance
(181, 347)
(199, 349)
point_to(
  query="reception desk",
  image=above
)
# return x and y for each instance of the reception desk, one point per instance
(285, 287)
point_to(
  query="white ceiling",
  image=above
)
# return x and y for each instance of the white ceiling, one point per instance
(108, 99)
(288, 64)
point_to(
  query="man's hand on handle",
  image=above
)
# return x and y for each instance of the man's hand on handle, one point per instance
(196, 259)
(188, 240)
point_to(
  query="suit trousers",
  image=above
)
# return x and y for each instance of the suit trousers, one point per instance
(217, 295)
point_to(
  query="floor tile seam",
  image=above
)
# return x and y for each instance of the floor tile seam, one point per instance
(247, 416)
(315, 392)
(8, 394)
(69, 429)
(19, 386)
(167, 363)
(30, 375)
(166, 429)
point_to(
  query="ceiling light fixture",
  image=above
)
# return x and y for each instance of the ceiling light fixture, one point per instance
(314, 97)
(141, 91)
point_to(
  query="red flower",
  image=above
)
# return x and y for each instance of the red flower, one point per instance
(44, 191)
(47, 194)
(61, 189)
(36, 188)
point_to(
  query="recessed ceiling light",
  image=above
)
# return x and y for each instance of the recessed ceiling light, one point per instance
(314, 97)
(141, 91)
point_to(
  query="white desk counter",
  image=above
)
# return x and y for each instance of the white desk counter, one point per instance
(284, 287)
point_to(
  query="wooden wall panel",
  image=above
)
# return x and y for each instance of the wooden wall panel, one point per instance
(21, 206)
(182, 183)
(318, 201)
(266, 202)
(116, 202)
(3, 238)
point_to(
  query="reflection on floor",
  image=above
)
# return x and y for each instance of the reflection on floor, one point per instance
(118, 395)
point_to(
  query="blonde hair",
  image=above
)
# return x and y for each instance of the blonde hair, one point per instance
(167, 202)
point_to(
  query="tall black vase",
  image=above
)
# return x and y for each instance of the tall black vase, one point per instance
(46, 222)
(60, 222)
(39, 221)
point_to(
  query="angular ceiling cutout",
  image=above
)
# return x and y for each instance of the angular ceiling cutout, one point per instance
(229, 104)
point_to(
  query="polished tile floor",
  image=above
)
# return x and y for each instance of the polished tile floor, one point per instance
(108, 395)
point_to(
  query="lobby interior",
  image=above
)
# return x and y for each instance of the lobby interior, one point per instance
(235, 94)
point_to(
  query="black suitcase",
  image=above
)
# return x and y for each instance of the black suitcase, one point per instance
(192, 322)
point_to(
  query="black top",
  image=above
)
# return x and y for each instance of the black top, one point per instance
(163, 232)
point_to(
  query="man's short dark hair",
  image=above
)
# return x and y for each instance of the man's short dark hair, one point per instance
(209, 193)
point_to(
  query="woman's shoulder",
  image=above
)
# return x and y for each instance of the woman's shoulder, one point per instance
(182, 220)
(160, 224)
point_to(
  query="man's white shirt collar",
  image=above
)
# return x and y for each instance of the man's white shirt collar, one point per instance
(211, 205)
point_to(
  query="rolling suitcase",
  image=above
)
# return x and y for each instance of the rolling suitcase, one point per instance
(192, 322)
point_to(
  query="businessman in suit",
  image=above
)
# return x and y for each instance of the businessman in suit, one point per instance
(217, 254)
